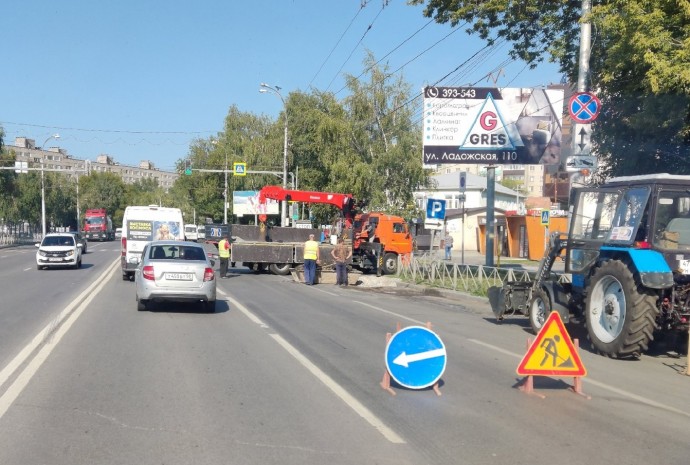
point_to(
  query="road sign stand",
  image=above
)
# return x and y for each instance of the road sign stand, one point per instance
(526, 385)
(577, 380)
(386, 381)
(552, 344)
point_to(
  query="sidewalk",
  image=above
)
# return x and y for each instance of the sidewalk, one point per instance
(472, 257)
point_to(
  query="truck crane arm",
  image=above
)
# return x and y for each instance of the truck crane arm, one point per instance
(345, 202)
(278, 193)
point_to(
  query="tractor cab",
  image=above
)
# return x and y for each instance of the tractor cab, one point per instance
(625, 219)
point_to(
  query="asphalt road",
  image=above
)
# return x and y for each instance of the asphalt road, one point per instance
(284, 373)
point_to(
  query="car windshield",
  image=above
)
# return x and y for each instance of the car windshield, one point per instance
(177, 252)
(58, 240)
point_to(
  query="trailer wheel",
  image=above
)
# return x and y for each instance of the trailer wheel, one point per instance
(390, 263)
(620, 313)
(282, 269)
(539, 310)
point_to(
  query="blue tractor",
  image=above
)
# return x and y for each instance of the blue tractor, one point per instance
(627, 265)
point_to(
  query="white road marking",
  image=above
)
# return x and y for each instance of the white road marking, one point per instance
(337, 389)
(49, 338)
(397, 315)
(607, 387)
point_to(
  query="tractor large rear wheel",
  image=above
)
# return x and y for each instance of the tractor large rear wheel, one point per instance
(620, 313)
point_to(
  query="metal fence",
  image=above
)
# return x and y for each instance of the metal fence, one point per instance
(474, 279)
(8, 240)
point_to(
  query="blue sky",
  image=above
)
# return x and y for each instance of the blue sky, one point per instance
(140, 80)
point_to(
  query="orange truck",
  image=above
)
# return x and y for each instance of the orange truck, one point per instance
(377, 239)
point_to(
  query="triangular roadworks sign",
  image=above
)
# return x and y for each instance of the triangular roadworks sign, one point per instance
(552, 353)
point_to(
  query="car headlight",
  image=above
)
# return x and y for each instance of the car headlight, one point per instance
(70, 253)
(41, 253)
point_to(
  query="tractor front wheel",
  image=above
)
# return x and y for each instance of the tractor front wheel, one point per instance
(539, 310)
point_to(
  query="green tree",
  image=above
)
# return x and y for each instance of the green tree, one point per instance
(8, 185)
(366, 145)
(60, 198)
(104, 190)
(246, 138)
(385, 140)
(640, 67)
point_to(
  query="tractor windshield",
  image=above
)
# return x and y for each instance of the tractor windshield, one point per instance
(629, 221)
(672, 220)
(610, 215)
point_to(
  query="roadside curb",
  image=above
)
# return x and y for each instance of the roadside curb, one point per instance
(439, 292)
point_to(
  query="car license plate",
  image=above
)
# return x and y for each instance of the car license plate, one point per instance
(178, 276)
(55, 259)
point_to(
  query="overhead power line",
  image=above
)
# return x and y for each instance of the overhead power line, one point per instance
(361, 7)
(356, 46)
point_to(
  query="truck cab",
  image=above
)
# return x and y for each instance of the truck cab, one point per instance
(385, 237)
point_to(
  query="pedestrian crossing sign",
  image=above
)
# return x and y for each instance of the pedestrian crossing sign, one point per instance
(239, 169)
(545, 217)
(552, 353)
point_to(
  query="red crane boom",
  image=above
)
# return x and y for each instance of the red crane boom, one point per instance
(345, 202)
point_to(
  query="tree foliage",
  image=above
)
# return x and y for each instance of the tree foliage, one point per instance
(366, 145)
(640, 67)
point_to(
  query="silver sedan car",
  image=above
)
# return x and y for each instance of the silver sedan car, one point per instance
(175, 271)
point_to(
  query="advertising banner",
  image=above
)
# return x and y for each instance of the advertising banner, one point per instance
(247, 203)
(480, 125)
(143, 230)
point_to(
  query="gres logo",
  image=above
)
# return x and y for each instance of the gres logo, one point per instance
(488, 121)
(488, 130)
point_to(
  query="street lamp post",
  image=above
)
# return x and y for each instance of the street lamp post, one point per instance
(225, 191)
(276, 91)
(225, 188)
(43, 187)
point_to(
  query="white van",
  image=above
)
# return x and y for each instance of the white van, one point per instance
(190, 232)
(201, 232)
(140, 225)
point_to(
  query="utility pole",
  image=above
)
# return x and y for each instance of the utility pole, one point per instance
(584, 130)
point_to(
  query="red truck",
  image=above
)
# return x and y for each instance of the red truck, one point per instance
(98, 226)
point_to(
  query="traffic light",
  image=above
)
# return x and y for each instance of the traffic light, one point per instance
(188, 167)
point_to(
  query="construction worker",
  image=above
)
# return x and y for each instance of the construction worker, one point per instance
(224, 254)
(311, 258)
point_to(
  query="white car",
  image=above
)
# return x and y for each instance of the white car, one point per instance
(175, 271)
(58, 249)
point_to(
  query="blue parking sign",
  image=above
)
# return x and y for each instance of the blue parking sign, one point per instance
(436, 209)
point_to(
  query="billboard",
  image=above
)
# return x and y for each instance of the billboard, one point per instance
(488, 125)
(247, 203)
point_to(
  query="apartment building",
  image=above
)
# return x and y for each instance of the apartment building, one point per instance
(55, 158)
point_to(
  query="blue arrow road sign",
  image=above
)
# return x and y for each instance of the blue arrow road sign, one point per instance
(415, 357)
(436, 209)
(584, 107)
